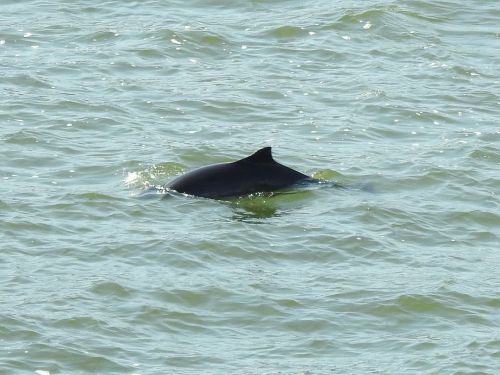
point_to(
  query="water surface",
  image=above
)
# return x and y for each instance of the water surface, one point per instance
(100, 98)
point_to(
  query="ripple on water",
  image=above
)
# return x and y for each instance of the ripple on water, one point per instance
(489, 154)
(101, 36)
(27, 80)
(394, 271)
(286, 32)
(109, 288)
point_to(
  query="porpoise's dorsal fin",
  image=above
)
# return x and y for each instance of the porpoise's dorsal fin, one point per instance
(264, 155)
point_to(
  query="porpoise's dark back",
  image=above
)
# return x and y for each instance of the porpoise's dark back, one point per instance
(257, 173)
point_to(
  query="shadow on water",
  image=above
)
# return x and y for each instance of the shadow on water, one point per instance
(255, 207)
(247, 208)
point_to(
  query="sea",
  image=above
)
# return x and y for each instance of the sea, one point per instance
(391, 267)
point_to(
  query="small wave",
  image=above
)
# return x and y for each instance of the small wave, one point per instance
(286, 32)
(110, 288)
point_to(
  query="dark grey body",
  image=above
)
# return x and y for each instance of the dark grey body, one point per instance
(257, 173)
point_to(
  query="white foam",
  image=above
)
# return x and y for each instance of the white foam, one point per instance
(131, 178)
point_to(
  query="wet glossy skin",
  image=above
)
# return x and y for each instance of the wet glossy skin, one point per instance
(256, 173)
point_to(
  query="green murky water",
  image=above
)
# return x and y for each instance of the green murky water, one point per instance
(398, 101)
